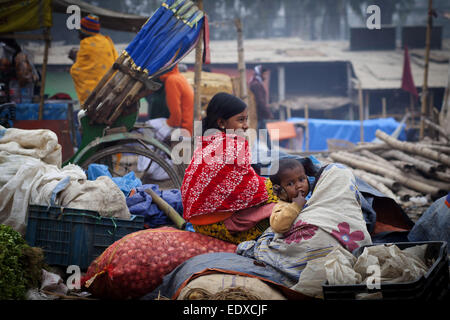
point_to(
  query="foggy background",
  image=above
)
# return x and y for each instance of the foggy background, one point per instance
(306, 19)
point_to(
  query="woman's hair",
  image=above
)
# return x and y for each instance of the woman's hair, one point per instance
(222, 106)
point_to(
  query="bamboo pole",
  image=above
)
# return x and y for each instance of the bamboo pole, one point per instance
(440, 148)
(376, 157)
(437, 128)
(425, 74)
(366, 106)
(373, 162)
(412, 148)
(167, 209)
(388, 182)
(444, 176)
(306, 128)
(424, 166)
(443, 185)
(343, 157)
(198, 76)
(44, 72)
(403, 165)
(404, 194)
(241, 62)
(375, 183)
(371, 146)
(439, 166)
(361, 111)
(383, 107)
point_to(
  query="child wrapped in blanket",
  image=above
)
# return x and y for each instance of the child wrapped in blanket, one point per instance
(303, 230)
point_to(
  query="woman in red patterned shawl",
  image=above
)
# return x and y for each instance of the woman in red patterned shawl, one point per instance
(222, 195)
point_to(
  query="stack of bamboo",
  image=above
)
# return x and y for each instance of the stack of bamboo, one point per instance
(413, 174)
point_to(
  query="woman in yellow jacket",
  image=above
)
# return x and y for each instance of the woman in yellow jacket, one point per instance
(95, 57)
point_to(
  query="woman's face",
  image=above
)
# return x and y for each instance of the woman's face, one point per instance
(294, 181)
(236, 122)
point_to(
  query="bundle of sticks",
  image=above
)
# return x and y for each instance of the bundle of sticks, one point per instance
(119, 88)
(400, 170)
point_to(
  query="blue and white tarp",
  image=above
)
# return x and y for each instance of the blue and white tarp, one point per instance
(322, 129)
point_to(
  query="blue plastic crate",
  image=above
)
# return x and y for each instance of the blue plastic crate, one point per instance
(75, 237)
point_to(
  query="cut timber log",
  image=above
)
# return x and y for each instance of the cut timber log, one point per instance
(404, 194)
(441, 148)
(362, 158)
(403, 165)
(377, 158)
(438, 128)
(432, 181)
(371, 146)
(375, 183)
(388, 182)
(412, 148)
(421, 165)
(413, 184)
(443, 176)
(439, 166)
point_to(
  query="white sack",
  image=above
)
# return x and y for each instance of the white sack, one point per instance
(336, 267)
(40, 143)
(340, 267)
(25, 180)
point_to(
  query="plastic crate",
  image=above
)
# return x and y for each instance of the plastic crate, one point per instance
(75, 237)
(433, 285)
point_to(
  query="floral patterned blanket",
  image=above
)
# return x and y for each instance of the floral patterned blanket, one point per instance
(331, 217)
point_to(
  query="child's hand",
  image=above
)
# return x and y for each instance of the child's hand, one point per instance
(300, 200)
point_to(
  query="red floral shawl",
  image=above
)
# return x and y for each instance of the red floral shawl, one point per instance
(220, 177)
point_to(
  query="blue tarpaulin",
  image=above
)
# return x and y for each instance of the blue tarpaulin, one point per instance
(126, 183)
(322, 129)
(140, 203)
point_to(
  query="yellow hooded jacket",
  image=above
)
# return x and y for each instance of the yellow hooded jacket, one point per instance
(95, 57)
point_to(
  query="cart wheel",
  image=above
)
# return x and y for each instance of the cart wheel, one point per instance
(122, 159)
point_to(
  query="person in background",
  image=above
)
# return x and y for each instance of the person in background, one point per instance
(259, 91)
(94, 58)
(180, 100)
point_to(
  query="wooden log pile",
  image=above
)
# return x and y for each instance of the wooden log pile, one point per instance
(414, 174)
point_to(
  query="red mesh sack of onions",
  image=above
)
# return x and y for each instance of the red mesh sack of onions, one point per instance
(136, 264)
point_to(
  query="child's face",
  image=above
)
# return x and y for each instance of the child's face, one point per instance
(294, 181)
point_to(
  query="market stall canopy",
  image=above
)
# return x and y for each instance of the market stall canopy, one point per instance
(109, 19)
(18, 16)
